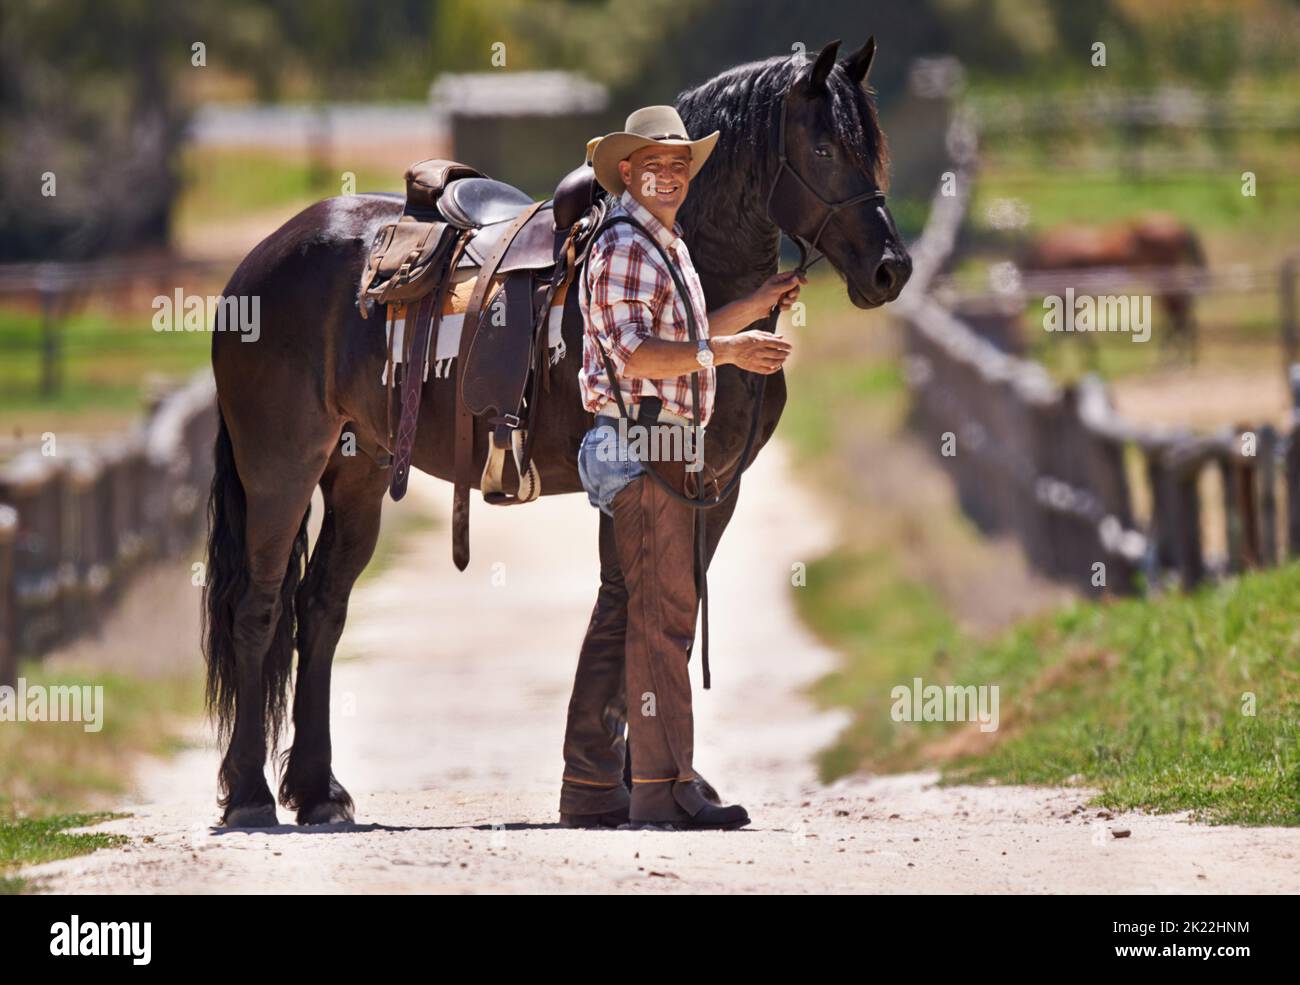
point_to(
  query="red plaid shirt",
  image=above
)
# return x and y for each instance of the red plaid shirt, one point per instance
(629, 296)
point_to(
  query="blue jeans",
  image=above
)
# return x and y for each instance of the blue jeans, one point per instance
(604, 468)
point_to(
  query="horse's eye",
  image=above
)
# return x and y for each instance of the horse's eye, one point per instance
(821, 150)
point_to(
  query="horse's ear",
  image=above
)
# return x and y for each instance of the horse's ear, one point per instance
(858, 64)
(817, 75)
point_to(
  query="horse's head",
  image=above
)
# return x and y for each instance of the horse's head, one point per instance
(828, 188)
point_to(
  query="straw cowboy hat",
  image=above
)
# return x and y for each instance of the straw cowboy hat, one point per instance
(653, 125)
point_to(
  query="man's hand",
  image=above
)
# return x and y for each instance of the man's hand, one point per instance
(779, 289)
(756, 351)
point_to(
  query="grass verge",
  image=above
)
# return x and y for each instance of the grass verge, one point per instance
(30, 841)
(50, 771)
(1183, 702)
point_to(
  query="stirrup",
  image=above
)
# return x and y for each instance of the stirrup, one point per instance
(491, 482)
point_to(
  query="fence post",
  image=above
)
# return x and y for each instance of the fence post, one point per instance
(1266, 452)
(1187, 522)
(1163, 534)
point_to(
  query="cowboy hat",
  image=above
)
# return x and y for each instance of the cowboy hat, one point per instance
(653, 125)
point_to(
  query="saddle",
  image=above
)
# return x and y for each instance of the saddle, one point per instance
(522, 255)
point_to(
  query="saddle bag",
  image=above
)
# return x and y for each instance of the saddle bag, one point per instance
(406, 261)
(407, 257)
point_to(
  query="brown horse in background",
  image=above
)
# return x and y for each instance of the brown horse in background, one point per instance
(1153, 240)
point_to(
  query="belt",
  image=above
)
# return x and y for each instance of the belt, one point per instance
(610, 409)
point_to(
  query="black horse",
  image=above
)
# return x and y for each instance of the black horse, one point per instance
(286, 399)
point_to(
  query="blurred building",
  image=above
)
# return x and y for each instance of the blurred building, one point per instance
(527, 128)
(918, 125)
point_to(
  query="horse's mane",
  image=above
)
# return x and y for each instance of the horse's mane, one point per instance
(730, 235)
(744, 103)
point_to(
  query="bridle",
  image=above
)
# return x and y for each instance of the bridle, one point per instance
(829, 208)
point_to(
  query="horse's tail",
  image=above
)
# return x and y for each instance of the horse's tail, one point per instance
(224, 586)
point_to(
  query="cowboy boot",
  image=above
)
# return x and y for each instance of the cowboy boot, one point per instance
(653, 532)
(593, 793)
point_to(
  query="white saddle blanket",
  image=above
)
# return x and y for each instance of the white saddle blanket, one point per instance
(448, 343)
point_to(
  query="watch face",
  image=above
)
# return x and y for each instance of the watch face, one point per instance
(705, 357)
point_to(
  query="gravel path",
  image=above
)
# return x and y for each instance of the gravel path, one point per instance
(449, 703)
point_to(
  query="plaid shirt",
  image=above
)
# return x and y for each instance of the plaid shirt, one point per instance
(628, 296)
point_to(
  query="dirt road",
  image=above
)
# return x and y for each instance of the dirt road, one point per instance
(449, 705)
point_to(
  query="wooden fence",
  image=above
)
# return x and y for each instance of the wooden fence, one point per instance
(1058, 469)
(77, 524)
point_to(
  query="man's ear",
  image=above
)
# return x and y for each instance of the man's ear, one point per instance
(625, 171)
(858, 64)
(816, 77)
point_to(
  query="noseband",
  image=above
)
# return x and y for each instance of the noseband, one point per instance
(830, 209)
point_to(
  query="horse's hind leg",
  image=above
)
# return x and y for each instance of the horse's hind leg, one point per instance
(353, 488)
(256, 549)
(263, 646)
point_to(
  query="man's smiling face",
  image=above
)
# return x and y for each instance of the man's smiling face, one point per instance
(658, 177)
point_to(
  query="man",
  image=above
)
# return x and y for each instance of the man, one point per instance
(643, 627)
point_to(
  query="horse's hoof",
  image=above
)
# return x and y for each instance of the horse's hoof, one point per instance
(327, 812)
(252, 816)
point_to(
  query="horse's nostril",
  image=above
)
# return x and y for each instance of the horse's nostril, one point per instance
(891, 274)
(886, 276)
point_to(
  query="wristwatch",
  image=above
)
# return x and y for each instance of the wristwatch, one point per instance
(705, 355)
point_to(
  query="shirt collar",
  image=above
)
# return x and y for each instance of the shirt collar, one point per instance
(666, 237)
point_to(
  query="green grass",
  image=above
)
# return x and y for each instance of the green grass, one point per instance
(1141, 699)
(1212, 202)
(1145, 700)
(31, 841)
(50, 772)
(106, 366)
(885, 626)
(840, 368)
(48, 767)
(221, 183)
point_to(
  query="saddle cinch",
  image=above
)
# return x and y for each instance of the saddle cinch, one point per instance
(462, 233)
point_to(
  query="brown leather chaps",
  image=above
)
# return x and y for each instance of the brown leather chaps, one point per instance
(633, 663)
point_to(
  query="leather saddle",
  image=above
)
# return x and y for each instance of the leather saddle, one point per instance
(524, 253)
(407, 257)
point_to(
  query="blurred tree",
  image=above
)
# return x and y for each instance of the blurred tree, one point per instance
(95, 91)
(100, 117)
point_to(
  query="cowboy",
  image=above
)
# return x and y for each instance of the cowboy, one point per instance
(636, 330)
